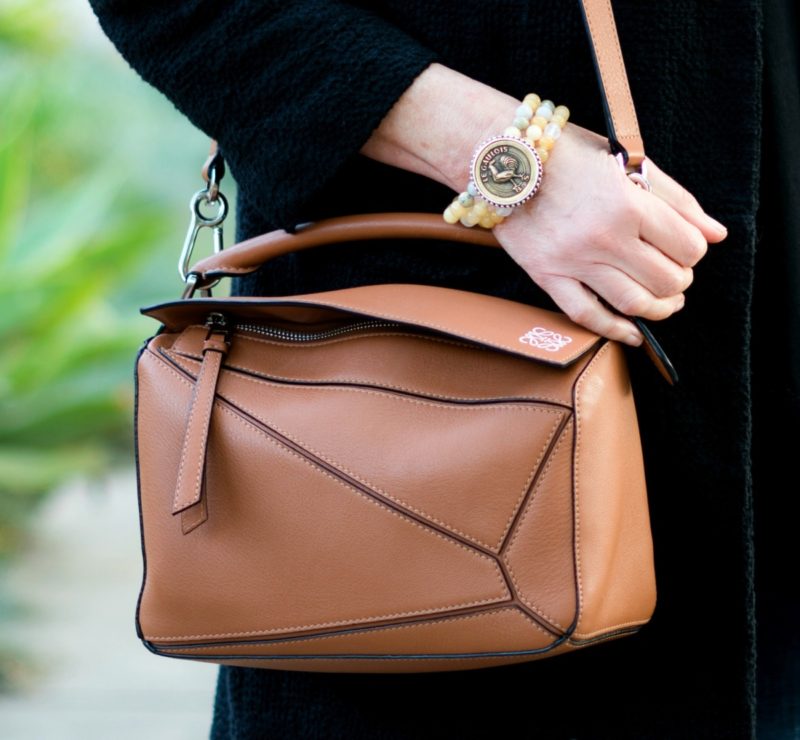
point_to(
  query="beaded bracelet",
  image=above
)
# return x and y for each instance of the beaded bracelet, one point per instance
(506, 170)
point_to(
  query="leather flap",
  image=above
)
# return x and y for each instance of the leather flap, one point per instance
(524, 330)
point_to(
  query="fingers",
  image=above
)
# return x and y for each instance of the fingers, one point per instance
(650, 267)
(598, 245)
(584, 308)
(684, 203)
(628, 296)
(668, 231)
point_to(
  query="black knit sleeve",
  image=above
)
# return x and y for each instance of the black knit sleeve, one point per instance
(290, 90)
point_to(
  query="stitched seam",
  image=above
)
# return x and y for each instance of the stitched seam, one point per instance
(188, 354)
(189, 437)
(345, 485)
(218, 268)
(576, 472)
(514, 537)
(380, 490)
(376, 392)
(191, 385)
(186, 442)
(617, 51)
(561, 361)
(565, 360)
(605, 72)
(632, 623)
(374, 630)
(527, 483)
(242, 335)
(208, 406)
(400, 501)
(166, 366)
(375, 487)
(516, 350)
(193, 517)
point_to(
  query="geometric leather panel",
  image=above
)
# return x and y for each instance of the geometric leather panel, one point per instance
(397, 566)
(504, 628)
(539, 554)
(454, 496)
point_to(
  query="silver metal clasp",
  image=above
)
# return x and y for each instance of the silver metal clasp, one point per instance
(638, 176)
(199, 221)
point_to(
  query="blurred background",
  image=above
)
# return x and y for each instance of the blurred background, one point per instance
(96, 173)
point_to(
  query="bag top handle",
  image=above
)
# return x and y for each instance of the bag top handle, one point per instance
(249, 255)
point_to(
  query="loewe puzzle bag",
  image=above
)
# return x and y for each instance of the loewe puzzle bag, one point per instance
(387, 478)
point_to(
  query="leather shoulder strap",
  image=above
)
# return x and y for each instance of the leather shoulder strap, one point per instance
(621, 122)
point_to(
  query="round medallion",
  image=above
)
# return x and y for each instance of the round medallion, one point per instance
(506, 171)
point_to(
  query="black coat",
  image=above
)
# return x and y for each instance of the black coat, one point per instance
(298, 87)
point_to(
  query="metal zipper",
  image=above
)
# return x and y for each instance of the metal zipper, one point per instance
(291, 335)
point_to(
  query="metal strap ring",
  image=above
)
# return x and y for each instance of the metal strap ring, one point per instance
(638, 177)
(199, 221)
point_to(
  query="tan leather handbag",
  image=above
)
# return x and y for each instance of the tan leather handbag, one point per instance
(388, 478)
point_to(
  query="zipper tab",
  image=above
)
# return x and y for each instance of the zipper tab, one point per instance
(189, 500)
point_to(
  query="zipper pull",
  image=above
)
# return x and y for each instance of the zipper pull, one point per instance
(189, 500)
(218, 336)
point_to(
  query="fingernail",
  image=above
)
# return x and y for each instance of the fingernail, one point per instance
(717, 225)
(634, 339)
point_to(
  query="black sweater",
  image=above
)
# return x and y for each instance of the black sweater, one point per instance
(298, 87)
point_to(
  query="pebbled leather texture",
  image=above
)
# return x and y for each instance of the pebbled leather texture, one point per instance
(457, 487)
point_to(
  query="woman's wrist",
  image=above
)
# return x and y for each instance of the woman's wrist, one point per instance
(434, 127)
(506, 170)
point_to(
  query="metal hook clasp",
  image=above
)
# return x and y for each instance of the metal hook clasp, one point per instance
(198, 221)
(637, 176)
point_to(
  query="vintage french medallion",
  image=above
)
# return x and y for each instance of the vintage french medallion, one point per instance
(506, 171)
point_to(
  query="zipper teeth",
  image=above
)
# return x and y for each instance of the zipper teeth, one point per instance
(308, 336)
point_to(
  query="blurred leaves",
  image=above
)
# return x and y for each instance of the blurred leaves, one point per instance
(29, 26)
(96, 169)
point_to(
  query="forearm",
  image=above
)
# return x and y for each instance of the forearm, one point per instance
(590, 232)
(434, 127)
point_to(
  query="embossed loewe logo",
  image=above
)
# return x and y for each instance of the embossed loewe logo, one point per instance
(541, 338)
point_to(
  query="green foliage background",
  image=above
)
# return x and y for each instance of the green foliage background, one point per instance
(96, 171)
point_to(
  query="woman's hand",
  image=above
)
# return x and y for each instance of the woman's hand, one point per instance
(590, 231)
